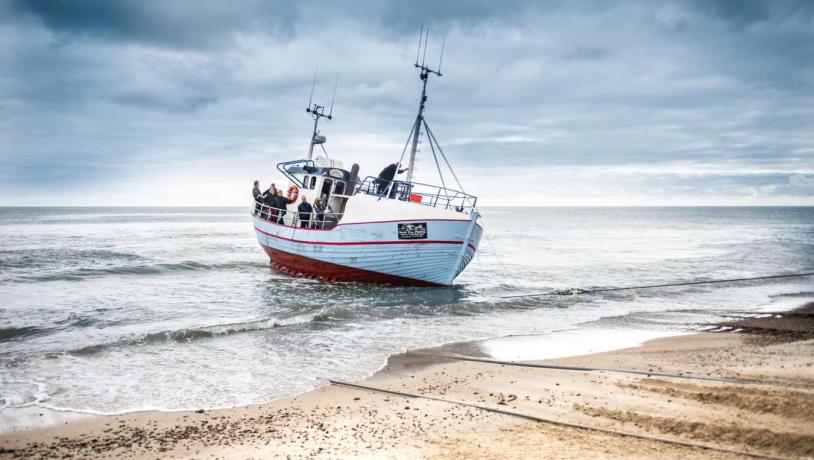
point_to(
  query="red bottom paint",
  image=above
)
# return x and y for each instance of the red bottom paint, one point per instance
(294, 265)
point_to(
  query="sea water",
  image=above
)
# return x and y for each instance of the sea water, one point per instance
(109, 310)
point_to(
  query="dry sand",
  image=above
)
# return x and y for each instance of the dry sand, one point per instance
(776, 418)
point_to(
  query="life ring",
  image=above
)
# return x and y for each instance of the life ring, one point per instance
(293, 193)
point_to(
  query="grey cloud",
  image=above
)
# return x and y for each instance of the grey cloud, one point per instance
(742, 14)
(212, 23)
(200, 24)
(738, 12)
(94, 90)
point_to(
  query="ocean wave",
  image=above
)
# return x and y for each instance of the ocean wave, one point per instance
(793, 294)
(73, 320)
(45, 257)
(8, 334)
(78, 274)
(187, 335)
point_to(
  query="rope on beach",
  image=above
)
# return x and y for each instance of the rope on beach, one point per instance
(578, 291)
(620, 371)
(556, 422)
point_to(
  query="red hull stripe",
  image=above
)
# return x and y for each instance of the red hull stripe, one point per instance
(354, 243)
(404, 220)
(296, 265)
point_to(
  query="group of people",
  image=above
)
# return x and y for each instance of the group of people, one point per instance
(313, 216)
(306, 211)
(276, 204)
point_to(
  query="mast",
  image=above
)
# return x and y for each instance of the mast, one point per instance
(419, 119)
(424, 76)
(318, 111)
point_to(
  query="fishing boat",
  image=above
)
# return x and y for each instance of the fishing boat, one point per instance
(372, 229)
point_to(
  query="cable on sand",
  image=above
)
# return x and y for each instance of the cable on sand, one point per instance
(556, 422)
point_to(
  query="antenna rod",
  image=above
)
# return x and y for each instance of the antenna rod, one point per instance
(418, 51)
(424, 59)
(443, 42)
(313, 83)
(336, 82)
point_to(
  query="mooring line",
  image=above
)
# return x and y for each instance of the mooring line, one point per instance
(654, 286)
(557, 422)
(619, 371)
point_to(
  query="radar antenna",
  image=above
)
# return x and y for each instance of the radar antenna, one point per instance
(318, 111)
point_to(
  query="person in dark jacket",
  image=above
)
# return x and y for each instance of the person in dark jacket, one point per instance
(319, 213)
(305, 209)
(386, 176)
(270, 200)
(281, 203)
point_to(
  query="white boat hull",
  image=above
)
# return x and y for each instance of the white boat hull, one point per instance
(375, 251)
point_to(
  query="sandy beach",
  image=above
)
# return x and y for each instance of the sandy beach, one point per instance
(754, 394)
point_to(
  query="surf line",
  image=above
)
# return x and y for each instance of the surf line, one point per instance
(578, 291)
(556, 422)
(617, 371)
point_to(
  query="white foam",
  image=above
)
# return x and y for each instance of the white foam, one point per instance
(35, 416)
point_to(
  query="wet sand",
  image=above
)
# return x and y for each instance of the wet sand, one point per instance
(774, 418)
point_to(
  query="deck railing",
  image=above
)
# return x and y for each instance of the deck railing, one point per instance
(326, 220)
(423, 194)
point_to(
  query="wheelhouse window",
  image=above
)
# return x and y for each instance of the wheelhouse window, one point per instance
(339, 189)
(325, 193)
(313, 182)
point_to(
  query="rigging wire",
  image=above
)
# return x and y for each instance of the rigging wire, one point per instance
(506, 272)
(435, 157)
(325, 151)
(433, 139)
(412, 130)
(576, 291)
(434, 143)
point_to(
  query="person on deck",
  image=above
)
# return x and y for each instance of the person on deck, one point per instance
(262, 198)
(319, 213)
(258, 197)
(281, 203)
(270, 200)
(386, 176)
(305, 209)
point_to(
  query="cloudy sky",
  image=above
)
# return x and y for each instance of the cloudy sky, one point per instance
(152, 102)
